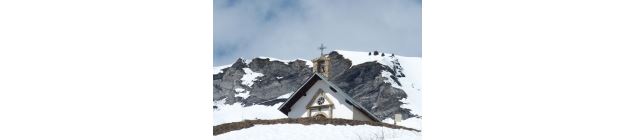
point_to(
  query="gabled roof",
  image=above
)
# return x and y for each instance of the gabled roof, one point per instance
(286, 106)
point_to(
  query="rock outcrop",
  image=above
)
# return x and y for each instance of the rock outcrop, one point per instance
(278, 79)
(364, 82)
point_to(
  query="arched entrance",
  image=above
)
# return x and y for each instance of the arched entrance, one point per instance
(320, 116)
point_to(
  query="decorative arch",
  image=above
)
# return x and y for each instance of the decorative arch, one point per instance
(326, 106)
(321, 115)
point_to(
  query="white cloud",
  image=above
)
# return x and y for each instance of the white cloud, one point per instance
(289, 29)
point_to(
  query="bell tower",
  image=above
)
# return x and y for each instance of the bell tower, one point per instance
(321, 64)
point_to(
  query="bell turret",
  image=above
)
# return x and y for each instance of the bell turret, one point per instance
(321, 64)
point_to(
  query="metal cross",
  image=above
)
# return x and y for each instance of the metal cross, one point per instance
(322, 49)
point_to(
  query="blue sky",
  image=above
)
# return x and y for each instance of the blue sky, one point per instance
(290, 29)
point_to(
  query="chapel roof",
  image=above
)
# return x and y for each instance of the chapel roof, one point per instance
(286, 106)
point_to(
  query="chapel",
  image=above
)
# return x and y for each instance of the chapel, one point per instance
(320, 98)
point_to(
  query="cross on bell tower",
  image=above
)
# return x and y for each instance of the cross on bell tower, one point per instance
(321, 64)
(322, 49)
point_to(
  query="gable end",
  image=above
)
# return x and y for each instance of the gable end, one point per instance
(286, 106)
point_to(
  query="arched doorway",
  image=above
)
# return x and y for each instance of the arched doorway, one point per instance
(320, 116)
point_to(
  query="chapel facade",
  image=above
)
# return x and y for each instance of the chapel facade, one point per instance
(320, 98)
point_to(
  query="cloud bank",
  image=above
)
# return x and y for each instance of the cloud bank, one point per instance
(290, 29)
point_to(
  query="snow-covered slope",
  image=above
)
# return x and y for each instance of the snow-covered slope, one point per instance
(319, 132)
(236, 112)
(410, 67)
(410, 83)
(406, 73)
(218, 69)
(285, 61)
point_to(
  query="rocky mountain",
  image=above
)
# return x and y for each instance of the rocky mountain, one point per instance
(276, 78)
(383, 84)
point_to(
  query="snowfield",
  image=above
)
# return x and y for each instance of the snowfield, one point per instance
(236, 112)
(311, 132)
(285, 96)
(249, 77)
(217, 70)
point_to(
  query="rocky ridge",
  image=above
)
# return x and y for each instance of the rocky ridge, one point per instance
(365, 82)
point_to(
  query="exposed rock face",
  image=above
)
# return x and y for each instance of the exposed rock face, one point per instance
(338, 64)
(367, 86)
(278, 79)
(227, 81)
(363, 82)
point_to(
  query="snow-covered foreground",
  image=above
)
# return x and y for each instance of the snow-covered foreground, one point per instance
(236, 113)
(319, 132)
